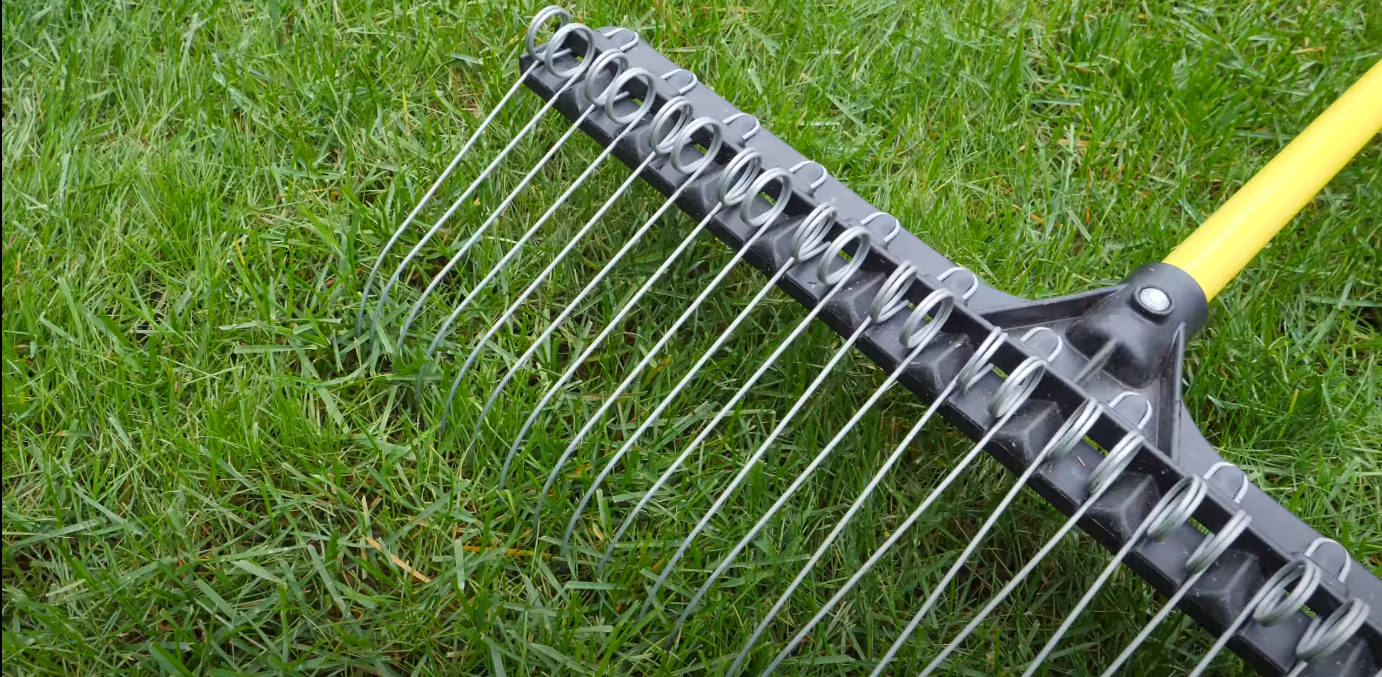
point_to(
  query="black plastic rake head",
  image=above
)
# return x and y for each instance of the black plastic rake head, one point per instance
(1080, 396)
(1123, 350)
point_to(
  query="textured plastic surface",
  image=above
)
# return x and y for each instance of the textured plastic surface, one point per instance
(1175, 446)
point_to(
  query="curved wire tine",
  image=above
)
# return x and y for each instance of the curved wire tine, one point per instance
(682, 141)
(575, 74)
(503, 262)
(427, 197)
(1204, 556)
(890, 300)
(836, 284)
(1174, 508)
(630, 123)
(1062, 442)
(729, 185)
(1022, 385)
(806, 225)
(1324, 636)
(544, 15)
(839, 528)
(746, 160)
(597, 99)
(479, 232)
(1268, 606)
(1100, 481)
(941, 303)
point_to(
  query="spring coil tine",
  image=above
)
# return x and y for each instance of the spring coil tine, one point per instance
(1268, 606)
(835, 279)
(1173, 510)
(740, 170)
(938, 305)
(921, 339)
(889, 300)
(541, 18)
(1067, 436)
(701, 165)
(1324, 636)
(683, 139)
(977, 363)
(607, 59)
(729, 196)
(599, 99)
(822, 214)
(1098, 482)
(1200, 560)
(573, 75)
(630, 121)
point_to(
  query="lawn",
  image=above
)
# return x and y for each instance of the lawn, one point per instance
(205, 472)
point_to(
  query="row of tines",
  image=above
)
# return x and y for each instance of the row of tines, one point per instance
(835, 251)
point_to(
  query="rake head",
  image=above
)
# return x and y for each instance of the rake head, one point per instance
(1079, 396)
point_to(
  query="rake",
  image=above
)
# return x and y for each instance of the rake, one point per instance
(1079, 396)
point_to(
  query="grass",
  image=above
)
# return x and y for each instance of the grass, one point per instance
(201, 477)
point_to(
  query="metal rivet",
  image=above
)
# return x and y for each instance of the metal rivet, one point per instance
(1154, 299)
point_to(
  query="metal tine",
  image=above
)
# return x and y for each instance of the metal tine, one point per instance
(1007, 399)
(835, 280)
(597, 99)
(733, 187)
(563, 18)
(607, 98)
(571, 74)
(1268, 606)
(1062, 443)
(1099, 481)
(1173, 510)
(629, 120)
(731, 191)
(916, 335)
(1200, 560)
(680, 143)
(890, 300)
(807, 243)
(1322, 637)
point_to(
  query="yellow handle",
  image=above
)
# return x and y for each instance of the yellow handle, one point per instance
(1225, 243)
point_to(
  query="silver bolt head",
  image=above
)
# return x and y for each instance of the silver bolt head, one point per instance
(1154, 299)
